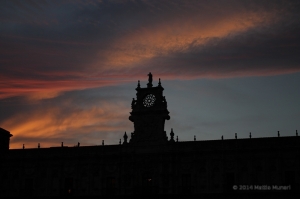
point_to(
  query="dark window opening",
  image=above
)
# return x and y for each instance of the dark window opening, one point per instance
(127, 180)
(290, 179)
(229, 182)
(166, 180)
(111, 182)
(186, 183)
(147, 181)
(68, 189)
(186, 180)
(110, 185)
(147, 184)
(28, 187)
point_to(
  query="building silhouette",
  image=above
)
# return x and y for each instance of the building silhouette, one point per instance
(148, 164)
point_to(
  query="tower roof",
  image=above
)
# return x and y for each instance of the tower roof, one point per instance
(4, 132)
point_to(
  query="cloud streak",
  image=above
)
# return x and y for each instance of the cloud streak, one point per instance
(178, 39)
(87, 119)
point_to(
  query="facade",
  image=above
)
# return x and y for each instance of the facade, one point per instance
(149, 164)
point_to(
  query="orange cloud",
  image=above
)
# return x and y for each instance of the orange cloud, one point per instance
(177, 35)
(43, 89)
(52, 125)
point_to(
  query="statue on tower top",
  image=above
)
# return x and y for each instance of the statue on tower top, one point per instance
(150, 80)
(150, 77)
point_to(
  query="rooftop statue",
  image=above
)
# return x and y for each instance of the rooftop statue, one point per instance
(149, 85)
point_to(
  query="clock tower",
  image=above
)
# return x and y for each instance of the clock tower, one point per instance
(149, 112)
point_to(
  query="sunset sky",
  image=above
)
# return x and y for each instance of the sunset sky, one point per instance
(69, 68)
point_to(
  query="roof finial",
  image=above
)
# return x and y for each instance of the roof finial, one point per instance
(159, 83)
(125, 138)
(194, 138)
(250, 135)
(172, 136)
(139, 85)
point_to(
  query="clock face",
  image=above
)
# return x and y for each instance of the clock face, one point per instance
(149, 100)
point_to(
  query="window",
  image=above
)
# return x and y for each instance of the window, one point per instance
(147, 180)
(229, 181)
(186, 183)
(186, 180)
(69, 186)
(111, 185)
(110, 182)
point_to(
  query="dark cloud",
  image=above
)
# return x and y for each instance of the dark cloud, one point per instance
(258, 51)
(85, 36)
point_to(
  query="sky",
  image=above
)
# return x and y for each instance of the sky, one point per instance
(69, 69)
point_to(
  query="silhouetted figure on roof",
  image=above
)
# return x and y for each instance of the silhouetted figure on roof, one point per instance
(139, 85)
(150, 77)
